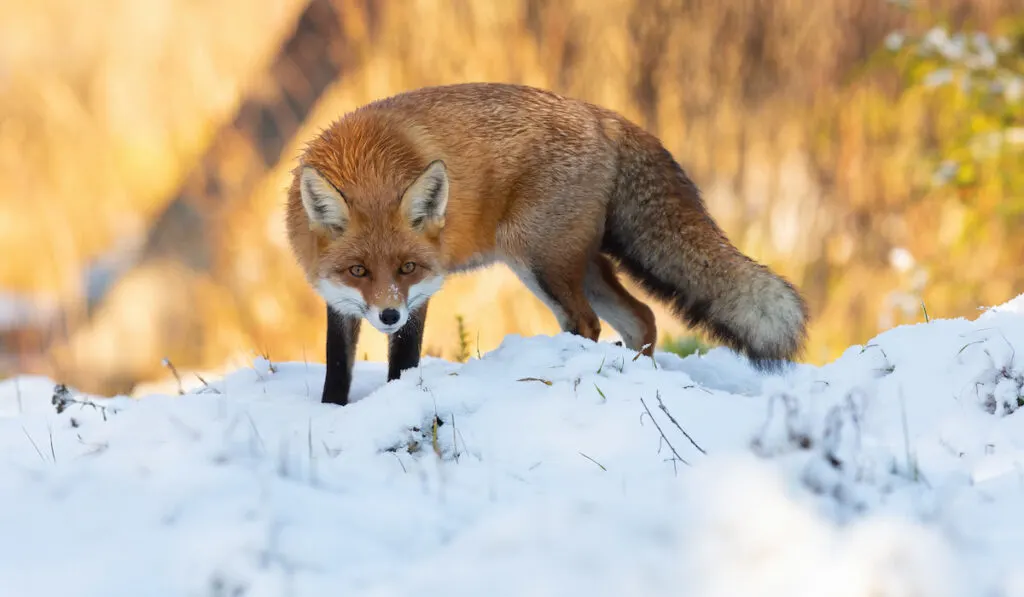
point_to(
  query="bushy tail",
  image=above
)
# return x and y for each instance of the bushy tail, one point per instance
(662, 236)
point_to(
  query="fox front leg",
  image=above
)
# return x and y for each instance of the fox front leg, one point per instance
(404, 346)
(342, 335)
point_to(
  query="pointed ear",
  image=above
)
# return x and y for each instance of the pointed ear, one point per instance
(324, 204)
(425, 201)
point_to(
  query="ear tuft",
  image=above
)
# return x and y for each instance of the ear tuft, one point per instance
(426, 200)
(324, 204)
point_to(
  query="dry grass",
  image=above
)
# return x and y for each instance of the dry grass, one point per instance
(105, 103)
(809, 168)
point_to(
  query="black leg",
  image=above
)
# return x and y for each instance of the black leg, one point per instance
(342, 334)
(404, 346)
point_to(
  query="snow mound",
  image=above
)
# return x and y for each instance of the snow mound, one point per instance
(1013, 306)
(550, 466)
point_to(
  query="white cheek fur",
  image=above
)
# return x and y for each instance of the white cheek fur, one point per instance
(343, 299)
(349, 301)
(423, 290)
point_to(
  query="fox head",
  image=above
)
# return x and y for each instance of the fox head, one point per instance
(379, 254)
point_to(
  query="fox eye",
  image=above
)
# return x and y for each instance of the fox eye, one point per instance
(407, 268)
(357, 271)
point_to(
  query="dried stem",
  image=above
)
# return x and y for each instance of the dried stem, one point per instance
(664, 409)
(663, 436)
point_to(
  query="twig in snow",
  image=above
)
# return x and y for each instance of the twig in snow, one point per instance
(664, 409)
(270, 364)
(1013, 351)
(53, 453)
(174, 371)
(62, 398)
(964, 347)
(594, 461)
(543, 381)
(663, 436)
(880, 349)
(641, 353)
(33, 442)
(207, 388)
(400, 463)
(889, 367)
(701, 388)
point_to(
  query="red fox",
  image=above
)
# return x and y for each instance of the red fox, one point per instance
(398, 194)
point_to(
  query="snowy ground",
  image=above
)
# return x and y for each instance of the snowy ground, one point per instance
(897, 470)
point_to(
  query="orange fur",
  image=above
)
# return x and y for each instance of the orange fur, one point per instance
(559, 189)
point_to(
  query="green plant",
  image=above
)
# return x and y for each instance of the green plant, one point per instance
(684, 346)
(974, 82)
(462, 355)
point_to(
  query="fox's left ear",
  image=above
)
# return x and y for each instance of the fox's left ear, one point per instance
(425, 201)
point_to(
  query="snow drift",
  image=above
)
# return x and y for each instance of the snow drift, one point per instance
(549, 466)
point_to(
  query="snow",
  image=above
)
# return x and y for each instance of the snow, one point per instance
(1014, 306)
(896, 470)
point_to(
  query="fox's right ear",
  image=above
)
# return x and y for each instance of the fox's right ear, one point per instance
(324, 204)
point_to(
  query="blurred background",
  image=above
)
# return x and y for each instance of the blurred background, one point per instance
(870, 151)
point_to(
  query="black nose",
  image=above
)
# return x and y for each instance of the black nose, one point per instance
(389, 316)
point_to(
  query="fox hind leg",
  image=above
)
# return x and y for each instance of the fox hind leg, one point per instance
(551, 244)
(631, 318)
(561, 287)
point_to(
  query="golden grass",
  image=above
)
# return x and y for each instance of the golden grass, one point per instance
(105, 104)
(808, 167)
